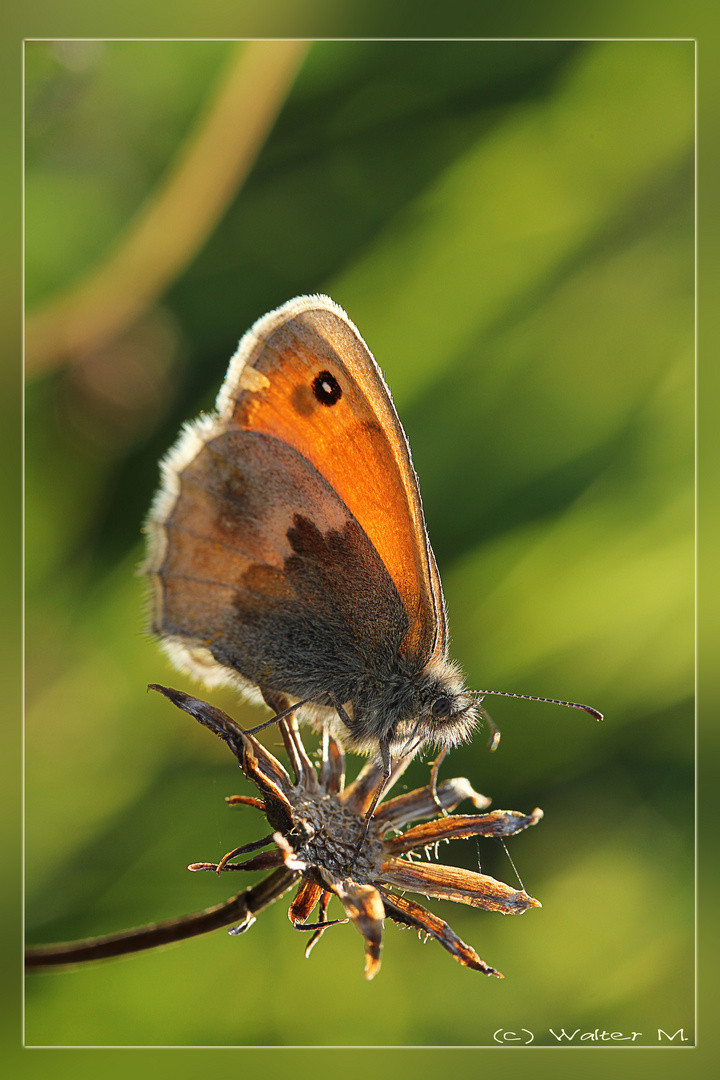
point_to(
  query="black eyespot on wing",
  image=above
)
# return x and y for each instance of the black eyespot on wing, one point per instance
(441, 707)
(326, 388)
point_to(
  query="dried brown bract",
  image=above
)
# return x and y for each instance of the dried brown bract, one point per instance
(317, 822)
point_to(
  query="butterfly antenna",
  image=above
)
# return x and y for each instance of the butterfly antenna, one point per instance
(551, 701)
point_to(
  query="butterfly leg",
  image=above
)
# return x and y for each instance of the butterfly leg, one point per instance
(434, 770)
(274, 719)
(340, 710)
(387, 769)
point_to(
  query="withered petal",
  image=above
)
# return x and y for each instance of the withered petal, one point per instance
(266, 860)
(365, 908)
(324, 901)
(208, 715)
(307, 897)
(258, 764)
(408, 912)
(305, 772)
(245, 800)
(459, 826)
(454, 883)
(420, 803)
(332, 768)
(254, 845)
(289, 856)
(263, 861)
(358, 794)
(268, 775)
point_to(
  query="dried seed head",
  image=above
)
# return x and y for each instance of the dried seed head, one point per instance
(318, 823)
(333, 834)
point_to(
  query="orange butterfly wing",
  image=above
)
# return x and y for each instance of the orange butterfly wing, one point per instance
(280, 383)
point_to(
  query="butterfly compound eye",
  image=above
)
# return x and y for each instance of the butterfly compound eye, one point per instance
(441, 707)
(326, 388)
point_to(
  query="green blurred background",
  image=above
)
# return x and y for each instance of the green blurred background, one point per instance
(510, 225)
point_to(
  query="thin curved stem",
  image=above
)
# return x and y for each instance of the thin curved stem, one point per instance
(177, 217)
(238, 909)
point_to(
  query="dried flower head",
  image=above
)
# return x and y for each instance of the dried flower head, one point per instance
(317, 823)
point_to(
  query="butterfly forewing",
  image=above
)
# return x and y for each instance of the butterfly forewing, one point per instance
(324, 395)
(288, 544)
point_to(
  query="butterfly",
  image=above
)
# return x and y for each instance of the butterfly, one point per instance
(288, 552)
